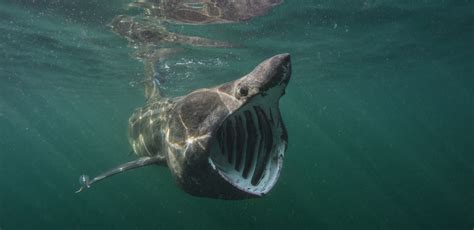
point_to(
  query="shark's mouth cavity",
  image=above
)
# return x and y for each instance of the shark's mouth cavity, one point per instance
(248, 148)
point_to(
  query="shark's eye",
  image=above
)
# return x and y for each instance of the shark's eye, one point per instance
(244, 91)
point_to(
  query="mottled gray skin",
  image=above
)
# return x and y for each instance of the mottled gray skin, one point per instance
(182, 133)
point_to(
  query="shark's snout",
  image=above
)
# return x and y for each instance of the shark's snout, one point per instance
(279, 70)
(269, 77)
(284, 65)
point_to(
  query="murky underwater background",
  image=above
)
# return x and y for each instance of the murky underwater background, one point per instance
(379, 110)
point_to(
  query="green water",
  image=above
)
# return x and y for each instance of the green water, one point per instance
(379, 110)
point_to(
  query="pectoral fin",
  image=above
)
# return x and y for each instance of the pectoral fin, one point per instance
(140, 162)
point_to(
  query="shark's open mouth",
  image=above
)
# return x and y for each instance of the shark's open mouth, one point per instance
(248, 148)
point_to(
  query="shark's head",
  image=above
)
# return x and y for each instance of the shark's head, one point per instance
(228, 141)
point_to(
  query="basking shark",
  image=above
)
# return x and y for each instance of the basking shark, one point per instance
(225, 142)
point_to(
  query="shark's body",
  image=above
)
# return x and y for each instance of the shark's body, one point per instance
(224, 142)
